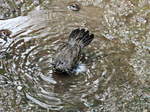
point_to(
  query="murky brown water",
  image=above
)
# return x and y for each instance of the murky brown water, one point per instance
(118, 60)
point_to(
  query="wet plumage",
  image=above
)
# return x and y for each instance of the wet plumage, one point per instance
(68, 55)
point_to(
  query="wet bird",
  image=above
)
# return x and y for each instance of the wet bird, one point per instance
(68, 55)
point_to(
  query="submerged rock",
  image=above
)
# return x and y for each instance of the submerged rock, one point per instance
(4, 34)
(14, 8)
(73, 6)
(4, 55)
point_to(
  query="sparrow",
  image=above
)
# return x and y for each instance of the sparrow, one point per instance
(69, 54)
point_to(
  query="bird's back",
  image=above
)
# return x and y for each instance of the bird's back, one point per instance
(68, 55)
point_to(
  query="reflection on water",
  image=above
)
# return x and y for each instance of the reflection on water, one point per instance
(117, 61)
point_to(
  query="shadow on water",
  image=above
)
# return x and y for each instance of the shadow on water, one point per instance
(117, 61)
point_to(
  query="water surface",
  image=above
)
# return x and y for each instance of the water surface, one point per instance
(118, 60)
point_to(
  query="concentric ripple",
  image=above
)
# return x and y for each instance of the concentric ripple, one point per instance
(117, 61)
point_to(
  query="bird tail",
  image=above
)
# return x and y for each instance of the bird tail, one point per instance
(80, 37)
